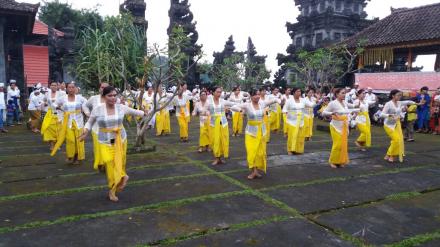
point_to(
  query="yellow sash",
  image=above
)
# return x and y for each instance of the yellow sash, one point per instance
(62, 135)
(47, 120)
(344, 138)
(401, 142)
(119, 149)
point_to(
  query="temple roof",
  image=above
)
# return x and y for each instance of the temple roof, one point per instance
(403, 26)
(41, 28)
(11, 5)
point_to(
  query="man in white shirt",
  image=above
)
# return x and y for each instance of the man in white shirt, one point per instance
(2, 108)
(14, 95)
(34, 108)
(371, 97)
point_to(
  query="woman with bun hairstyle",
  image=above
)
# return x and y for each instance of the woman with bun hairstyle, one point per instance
(391, 114)
(256, 129)
(112, 138)
(340, 113)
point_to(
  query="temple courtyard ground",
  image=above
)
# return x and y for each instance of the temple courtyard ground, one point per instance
(175, 197)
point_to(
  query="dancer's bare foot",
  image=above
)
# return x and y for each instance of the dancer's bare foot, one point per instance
(386, 157)
(251, 176)
(391, 159)
(112, 197)
(200, 150)
(216, 162)
(258, 175)
(123, 183)
(290, 153)
(333, 166)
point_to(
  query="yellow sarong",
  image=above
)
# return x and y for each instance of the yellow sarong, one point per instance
(285, 124)
(308, 124)
(204, 134)
(237, 123)
(275, 121)
(163, 125)
(397, 146)
(295, 136)
(256, 148)
(339, 153)
(50, 127)
(114, 157)
(365, 130)
(219, 138)
(71, 136)
(96, 153)
(183, 121)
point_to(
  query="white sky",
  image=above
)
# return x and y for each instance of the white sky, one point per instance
(263, 20)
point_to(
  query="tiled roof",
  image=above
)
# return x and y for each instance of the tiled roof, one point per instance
(402, 26)
(11, 5)
(42, 29)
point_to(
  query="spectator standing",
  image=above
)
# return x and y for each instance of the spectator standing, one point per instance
(423, 110)
(371, 97)
(14, 95)
(2, 107)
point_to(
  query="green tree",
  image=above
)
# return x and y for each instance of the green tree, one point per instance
(228, 74)
(114, 54)
(58, 15)
(325, 66)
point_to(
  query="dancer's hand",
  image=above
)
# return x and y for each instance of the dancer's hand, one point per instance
(83, 136)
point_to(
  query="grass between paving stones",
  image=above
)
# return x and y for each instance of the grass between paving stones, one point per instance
(149, 207)
(230, 228)
(342, 179)
(417, 240)
(84, 174)
(99, 187)
(292, 211)
(295, 213)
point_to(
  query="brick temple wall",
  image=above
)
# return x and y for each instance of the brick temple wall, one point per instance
(407, 81)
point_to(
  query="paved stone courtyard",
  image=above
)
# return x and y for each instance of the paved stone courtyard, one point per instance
(175, 197)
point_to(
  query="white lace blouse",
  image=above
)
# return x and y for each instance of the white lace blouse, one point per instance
(103, 120)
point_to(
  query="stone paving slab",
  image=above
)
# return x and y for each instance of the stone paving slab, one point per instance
(294, 232)
(18, 172)
(334, 195)
(146, 227)
(390, 221)
(23, 211)
(94, 179)
(300, 173)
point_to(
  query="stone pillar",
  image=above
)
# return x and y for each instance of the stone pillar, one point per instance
(68, 58)
(2, 52)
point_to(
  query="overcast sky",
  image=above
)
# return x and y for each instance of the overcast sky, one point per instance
(263, 20)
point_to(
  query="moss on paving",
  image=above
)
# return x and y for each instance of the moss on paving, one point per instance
(231, 228)
(149, 207)
(417, 240)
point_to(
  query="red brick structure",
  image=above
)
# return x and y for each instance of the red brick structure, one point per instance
(406, 81)
(393, 44)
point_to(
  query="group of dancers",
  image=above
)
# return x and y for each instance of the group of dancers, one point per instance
(290, 112)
